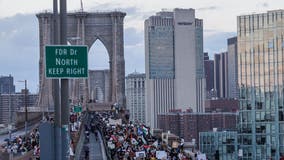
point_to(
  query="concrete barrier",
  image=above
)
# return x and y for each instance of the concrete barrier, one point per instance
(26, 156)
(80, 143)
(33, 117)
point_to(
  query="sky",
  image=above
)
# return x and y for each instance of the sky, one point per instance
(19, 35)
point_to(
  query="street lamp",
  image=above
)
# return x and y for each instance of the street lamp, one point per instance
(26, 109)
(10, 123)
(10, 115)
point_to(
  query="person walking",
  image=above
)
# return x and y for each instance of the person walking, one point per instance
(86, 148)
(96, 135)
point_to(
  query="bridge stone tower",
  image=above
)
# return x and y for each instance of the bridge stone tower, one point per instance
(84, 28)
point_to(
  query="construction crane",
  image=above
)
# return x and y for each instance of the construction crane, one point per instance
(82, 6)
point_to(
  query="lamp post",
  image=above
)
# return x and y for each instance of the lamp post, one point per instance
(10, 115)
(26, 109)
(10, 123)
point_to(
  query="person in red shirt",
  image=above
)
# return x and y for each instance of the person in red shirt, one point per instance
(281, 156)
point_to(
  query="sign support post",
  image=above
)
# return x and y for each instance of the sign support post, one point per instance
(63, 62)
(64, 87)
(55, 89)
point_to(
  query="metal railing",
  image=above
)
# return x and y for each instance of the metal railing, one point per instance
(80, 143)
(107, 151)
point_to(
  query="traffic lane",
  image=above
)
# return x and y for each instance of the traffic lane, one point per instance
(17, 133)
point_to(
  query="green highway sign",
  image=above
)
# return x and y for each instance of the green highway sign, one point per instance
(62, 61)
(77, 109)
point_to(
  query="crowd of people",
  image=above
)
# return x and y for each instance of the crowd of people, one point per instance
(134, 140)
(131, 141)
(20, 145)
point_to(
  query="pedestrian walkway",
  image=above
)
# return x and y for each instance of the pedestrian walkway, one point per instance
(94, 147)
(96, 152)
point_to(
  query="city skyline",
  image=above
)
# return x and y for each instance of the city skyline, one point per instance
(144, 93)
(26, 54)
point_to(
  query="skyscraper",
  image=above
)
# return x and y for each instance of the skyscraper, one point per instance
(174, 63)
(221, 74)
(135, 96)
(233, 91)
(7, 85)
(209, 75)
(260, 78)
(217, 74)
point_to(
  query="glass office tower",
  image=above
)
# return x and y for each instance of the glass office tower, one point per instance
(225, 142)
(260, 78)
(173, 63)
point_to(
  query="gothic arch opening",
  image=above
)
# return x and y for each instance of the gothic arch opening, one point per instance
(84, 28)
(98, 58)
(98, 63)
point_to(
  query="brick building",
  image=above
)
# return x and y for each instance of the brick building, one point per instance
(221, 105)
(188, 125)
(17, 103)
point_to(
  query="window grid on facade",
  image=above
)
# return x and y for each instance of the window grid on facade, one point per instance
(135, 96)
(261, 85)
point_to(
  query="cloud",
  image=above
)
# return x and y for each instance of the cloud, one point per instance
(207, 8)
(263, 5)
(134, 50)
(19, 45)
(134, 46)
(19, 55)
(217, 42)
(133, 36)
(134, 16)
(111, 6)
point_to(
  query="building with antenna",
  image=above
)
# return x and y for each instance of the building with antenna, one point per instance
(174, 63)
